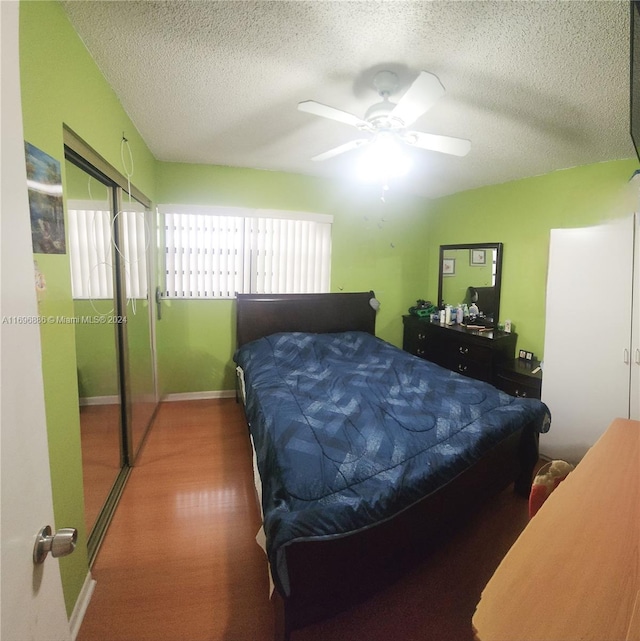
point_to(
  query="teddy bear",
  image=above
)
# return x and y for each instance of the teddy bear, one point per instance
(547, 479)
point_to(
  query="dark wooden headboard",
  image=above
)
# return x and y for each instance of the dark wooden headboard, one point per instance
(259, 315)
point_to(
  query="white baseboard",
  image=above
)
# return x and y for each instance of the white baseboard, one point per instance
(198, 396)
(99, 400)
(81, 605)
(184, 396)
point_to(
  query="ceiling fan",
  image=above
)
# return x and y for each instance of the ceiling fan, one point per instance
(389, 119)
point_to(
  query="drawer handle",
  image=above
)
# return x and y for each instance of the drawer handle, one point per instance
(421, 337)
(520, 394)
(420, 352)
(462, 368)
(463, 350)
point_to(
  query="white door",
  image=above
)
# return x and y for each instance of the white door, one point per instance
(32, 605)
(587, 335)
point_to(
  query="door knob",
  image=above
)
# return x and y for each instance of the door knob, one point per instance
(61, 543)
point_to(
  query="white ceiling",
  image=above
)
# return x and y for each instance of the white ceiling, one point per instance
(535, 86)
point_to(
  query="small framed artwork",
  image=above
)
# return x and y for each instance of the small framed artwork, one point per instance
(44, 187)
(448, 266)
(478, 256)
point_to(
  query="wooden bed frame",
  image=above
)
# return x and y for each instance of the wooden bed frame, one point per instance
(329, 575)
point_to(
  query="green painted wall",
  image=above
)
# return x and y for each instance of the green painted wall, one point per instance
(60, 84)
(521, 214)
(376, 245)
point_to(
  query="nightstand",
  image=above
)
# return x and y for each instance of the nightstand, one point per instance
(516, 377)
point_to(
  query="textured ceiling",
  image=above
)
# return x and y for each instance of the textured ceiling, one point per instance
(535, 86)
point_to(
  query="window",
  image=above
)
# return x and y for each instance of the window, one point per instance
(91, 249)
(216, 252)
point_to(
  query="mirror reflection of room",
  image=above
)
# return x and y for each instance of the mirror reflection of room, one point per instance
(470, 275)
(89, 207)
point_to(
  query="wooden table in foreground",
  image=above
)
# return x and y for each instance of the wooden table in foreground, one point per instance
(574, 572)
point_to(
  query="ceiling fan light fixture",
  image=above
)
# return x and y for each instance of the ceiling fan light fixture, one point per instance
(383, 159)
(385, 156)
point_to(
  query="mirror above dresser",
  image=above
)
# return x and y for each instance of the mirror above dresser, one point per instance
(469, 273)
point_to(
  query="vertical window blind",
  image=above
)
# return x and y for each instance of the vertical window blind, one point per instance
(92, 247)
(215, 252)
(203, 255)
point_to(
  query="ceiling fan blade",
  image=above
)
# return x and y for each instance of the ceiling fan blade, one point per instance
(318, 109)
(433, 142)
(420, 97)
(341, 149)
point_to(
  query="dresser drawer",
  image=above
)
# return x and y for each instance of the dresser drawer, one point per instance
(475, 369)
(467, 358)
(470, 352)
(415, 337)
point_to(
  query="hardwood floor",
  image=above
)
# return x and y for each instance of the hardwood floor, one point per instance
(180, 562)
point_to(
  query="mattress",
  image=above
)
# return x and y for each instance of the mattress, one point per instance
(349, 430)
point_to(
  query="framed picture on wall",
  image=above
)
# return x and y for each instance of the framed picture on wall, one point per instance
(44, 187)
(478, 256)
(448, 266)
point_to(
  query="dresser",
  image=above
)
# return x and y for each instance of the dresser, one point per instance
(474, 353)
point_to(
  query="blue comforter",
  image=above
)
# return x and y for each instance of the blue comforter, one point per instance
(350, 430)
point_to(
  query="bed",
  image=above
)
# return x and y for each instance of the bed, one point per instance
(366, 455)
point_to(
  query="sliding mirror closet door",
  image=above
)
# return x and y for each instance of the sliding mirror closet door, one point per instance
(110, 248)
(90, 203)
(135, 231)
